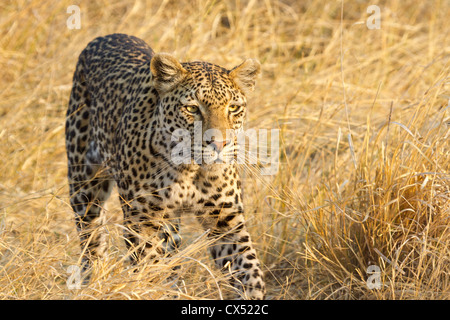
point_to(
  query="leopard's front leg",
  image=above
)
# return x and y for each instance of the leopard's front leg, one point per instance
(151, 229)
(233, 249)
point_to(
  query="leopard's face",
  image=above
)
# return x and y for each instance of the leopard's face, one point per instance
(202, 108)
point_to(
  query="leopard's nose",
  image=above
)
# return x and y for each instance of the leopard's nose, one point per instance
(219, 145)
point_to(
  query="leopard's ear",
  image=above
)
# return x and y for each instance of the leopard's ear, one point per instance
(245, 74)
(167, 72)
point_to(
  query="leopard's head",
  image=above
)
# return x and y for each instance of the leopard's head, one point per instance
(201, 108)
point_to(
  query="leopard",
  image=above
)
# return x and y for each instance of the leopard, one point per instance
(126, 105)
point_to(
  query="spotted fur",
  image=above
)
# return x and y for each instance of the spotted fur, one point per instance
(126, 105)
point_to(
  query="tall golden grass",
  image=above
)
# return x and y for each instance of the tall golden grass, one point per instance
(364, 166)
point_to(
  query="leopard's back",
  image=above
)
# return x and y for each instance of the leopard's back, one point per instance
(111, 78)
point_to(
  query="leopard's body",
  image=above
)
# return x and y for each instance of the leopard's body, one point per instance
(125, 107)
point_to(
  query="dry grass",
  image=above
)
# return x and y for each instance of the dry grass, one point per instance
(365, 157)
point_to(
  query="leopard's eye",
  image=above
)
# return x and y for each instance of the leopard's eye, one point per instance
(234, 108)
(192, 109)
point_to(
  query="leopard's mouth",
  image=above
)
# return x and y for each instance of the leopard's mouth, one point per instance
(222, 157)
(202, 155)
